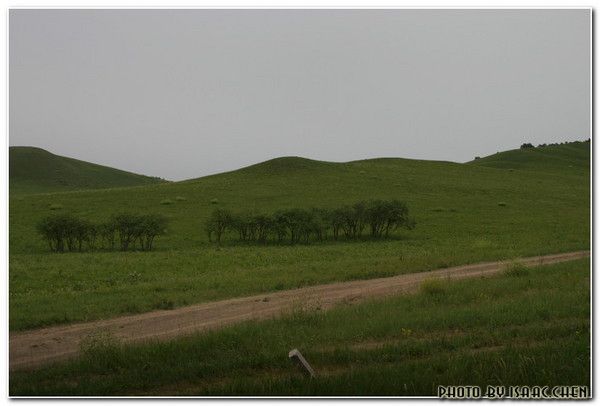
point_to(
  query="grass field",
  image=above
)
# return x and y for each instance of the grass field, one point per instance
(511, 204)
(523, 327)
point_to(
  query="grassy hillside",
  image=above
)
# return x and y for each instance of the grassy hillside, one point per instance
(34, 170)
(518, 203)
(530, 327)
(569, 157)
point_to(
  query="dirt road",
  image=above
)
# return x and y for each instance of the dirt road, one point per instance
(34, 348)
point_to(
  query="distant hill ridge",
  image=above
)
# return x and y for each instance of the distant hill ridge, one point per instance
(542, 158)
(35, 170)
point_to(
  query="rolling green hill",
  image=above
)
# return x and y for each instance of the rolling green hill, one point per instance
(34, 170)
(517, 203)
(568, 157)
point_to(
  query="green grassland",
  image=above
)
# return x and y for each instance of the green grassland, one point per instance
(523, 327)
(556, 158)
(511, 204)
(34, 170)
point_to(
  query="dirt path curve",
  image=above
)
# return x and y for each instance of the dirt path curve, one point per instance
(30, 349)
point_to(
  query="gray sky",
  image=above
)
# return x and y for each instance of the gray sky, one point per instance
(186, 93)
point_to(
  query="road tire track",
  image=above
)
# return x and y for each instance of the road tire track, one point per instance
(34, 348)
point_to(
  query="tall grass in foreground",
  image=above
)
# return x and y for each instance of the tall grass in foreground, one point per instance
(516, 328)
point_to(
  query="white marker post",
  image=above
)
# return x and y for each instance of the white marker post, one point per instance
(304, 365)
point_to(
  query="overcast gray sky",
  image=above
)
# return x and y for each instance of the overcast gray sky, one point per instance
(186, 93)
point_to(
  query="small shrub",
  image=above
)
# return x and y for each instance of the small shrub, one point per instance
(220, 220)
(66, 232)
(131, 228)
(406, 332)
(214, 201)
(502, 204)
(107, 233)
(149, 227)
(166, 202)
(516, 270)
(56, 206)
(126, 227)
(433, 287)
(164, 304)
(97, 343)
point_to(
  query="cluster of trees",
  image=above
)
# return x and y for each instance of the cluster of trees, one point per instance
(378, 218)
(66, 232)
(554, 144)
